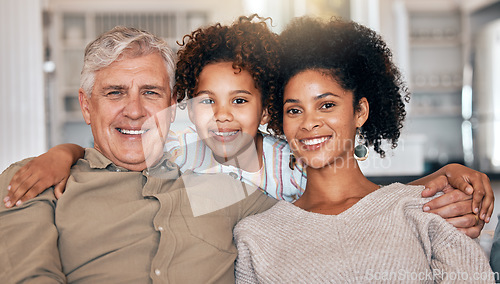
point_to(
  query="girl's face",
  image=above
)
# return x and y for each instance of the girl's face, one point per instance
(319, 119)
(226, 109)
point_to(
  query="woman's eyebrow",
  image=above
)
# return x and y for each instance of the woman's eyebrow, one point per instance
(322, 96)
(291, 101)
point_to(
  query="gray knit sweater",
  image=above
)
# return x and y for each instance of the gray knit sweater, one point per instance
(385, 237)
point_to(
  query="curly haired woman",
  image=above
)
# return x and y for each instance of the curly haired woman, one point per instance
(339, 80)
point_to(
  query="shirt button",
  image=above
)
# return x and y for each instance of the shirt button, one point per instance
(157, 272)
(160, 229)
(233, 175)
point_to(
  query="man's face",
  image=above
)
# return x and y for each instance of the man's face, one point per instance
(125, 95)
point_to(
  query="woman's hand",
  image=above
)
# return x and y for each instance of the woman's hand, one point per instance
(44, 171)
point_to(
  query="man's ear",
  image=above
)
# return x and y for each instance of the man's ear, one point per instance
(265, 117)
(84, 105)
(362, 112)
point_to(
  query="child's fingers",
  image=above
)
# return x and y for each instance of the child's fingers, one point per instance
(19, 189)
(33, 191)
(490, 212)
(60, 187)
(483, 196)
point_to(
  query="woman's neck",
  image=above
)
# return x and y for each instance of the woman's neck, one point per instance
(335, 188)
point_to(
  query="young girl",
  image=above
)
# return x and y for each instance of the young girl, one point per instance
(228, 73)
(339, 80)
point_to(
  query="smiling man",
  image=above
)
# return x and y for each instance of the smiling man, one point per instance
(127, 215)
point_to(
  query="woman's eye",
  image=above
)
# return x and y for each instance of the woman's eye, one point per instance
(239, 101)
(328, 105)
(293, 111)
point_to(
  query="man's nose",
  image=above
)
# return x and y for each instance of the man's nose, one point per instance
(134, 108)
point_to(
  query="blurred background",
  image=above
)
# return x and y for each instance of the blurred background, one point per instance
(448, 50)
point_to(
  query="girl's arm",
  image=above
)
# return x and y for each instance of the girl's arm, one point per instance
(44, 171)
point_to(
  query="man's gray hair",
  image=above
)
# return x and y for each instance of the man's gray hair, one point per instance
(131, 42)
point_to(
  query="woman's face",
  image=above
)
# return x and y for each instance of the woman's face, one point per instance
(319, 119)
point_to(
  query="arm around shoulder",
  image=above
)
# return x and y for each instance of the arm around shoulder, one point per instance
(28, 238)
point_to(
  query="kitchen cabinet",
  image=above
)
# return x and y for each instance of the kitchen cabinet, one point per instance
(436, 51)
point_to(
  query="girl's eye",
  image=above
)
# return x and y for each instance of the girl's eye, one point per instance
(207, 101)
(239, 101)
(327, 105)
(293, 111)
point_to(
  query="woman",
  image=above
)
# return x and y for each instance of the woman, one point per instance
(339, 80)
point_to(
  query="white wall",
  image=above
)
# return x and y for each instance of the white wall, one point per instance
(22, 120)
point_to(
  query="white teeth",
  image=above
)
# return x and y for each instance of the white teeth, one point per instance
(225, 133)
(131, 132)
(314, 141)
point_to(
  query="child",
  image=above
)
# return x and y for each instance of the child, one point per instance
(227, 74)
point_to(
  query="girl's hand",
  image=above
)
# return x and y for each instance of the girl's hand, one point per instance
(47, 170)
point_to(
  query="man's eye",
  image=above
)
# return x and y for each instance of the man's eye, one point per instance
(113, 94)
(239, 101)
(151, 94)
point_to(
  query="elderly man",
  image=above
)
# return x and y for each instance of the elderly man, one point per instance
(120, 220)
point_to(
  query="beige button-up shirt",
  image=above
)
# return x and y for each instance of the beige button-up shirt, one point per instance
(116, 226)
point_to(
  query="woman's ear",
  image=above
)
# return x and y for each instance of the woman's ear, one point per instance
(362, 112)
(265, 117)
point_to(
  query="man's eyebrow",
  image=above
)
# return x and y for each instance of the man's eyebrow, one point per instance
(114, 87)
(152, 87)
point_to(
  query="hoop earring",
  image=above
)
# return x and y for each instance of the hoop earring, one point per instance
(292, 162)
(361, 151)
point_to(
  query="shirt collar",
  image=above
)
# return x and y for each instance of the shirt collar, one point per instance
(98, 161)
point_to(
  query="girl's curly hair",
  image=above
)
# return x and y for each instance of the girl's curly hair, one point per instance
(358, 59)
(248, 43)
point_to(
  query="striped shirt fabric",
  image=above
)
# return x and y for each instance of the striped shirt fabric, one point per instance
(275, 177)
